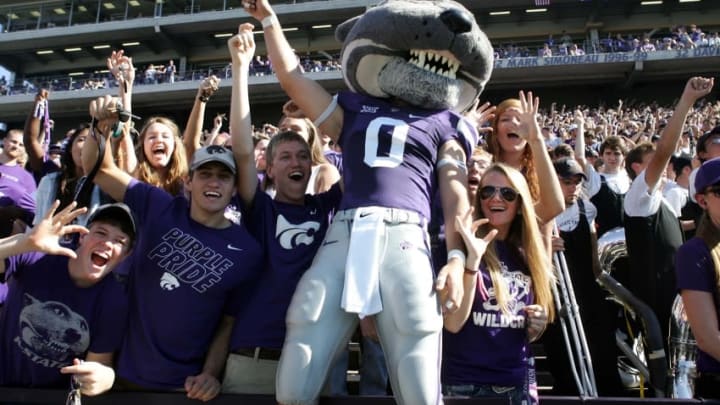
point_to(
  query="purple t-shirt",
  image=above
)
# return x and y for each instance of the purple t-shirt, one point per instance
(47, 320)
(492, 348)
(13, 194)
(19, 176)
(390, 153)
(695, 270)
(291, 235)
(183, 279)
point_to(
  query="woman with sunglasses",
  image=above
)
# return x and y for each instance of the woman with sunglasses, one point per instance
(697, 268)
(508, 298)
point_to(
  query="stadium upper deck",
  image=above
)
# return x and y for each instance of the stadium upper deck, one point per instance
(73, 36)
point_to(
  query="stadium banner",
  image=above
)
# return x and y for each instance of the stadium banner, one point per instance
(617, 57)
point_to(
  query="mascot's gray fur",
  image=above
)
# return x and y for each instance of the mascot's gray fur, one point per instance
(429, 54)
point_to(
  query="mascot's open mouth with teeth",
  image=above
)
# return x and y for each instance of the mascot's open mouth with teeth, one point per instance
(437, 57)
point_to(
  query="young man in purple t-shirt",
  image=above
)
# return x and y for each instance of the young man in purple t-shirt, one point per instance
(63, 314)
(190, 268)
(291, 226)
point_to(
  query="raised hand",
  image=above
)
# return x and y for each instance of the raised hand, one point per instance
(121, 67)
(528, 129)
(475, 246)
(258, 8)
(698, 87)
(45, 236)
(218, 120)
(208, 87)
(579, 117)
(42, 95)
(242, 45)
(480, 115)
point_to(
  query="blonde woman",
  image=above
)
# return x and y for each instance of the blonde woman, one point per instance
(508, 294)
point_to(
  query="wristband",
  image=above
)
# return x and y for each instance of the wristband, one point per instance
(269, 21)
(457, 253)
(471, 272)
(203, 99)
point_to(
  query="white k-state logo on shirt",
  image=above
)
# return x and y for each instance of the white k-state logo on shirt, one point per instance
(291, 235)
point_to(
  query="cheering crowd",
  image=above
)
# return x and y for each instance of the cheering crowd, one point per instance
(167, 259)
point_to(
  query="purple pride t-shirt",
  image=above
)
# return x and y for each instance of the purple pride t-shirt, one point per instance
(695, 270)
(291, 234)
(183, 279)
(47, 320)
(492, 347)
(390, 153)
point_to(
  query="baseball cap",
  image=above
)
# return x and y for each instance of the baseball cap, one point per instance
(704, 137)
(213, 153)
(116, 212)
(590, 152)
(568, 167)
(707, 175)
(55, 148)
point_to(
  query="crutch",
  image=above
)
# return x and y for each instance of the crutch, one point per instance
(575, 341)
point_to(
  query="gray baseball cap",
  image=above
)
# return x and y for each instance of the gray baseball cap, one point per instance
(213, 153)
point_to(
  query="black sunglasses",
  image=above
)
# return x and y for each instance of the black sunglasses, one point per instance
(506, 193)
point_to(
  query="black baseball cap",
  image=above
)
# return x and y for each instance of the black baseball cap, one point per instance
(568, 167)
(117, 213)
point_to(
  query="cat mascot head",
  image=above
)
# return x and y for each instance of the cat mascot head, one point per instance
(429, 54)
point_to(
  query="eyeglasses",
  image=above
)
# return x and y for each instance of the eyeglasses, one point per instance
(506, 193)
(478, 163)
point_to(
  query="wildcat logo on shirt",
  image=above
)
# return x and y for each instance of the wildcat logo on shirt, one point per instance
(189, 261)
(518, 285)
(50, 333)
(291, 235)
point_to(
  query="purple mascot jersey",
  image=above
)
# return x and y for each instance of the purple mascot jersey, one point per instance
(394, 152)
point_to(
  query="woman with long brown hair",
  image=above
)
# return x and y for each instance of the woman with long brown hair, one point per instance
(161, 155)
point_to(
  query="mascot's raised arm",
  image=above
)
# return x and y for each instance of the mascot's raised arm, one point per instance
(411, 66)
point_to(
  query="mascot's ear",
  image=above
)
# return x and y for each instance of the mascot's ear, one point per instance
(29, 299)
(343, 29)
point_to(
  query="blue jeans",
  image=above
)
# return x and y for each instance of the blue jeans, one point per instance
(516, 394)
(373, 371)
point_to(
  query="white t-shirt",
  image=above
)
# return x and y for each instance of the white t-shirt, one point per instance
(569, 219)
(618, 182)
(640, 201)
(675, 195)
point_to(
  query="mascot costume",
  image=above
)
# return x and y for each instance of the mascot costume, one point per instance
(411, 66)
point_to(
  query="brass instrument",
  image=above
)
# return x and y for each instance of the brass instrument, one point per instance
(612, 247)
(683, 352)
